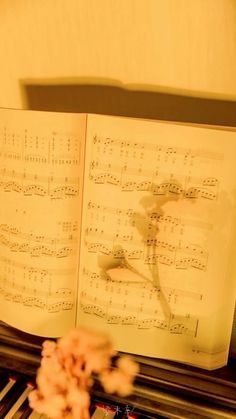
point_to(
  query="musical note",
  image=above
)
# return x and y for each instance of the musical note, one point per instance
(55, 307)
(98, 247)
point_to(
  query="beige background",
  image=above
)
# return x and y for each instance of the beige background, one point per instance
(167, 45)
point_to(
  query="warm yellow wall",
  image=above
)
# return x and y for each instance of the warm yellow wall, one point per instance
(172, 44)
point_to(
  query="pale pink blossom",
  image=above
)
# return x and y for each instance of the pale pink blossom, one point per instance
(64, 379)
(127, 365)
(120, 380)
(49, 347)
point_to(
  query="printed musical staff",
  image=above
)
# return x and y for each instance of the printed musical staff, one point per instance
(182, 186)
(174, 324)
(31, 184)
(46, 304)
(176, 260)
(36, 245)
(142, 285)
(151, 249)
(53, 148)
(152, 215)
(31, 286)
(165, 149)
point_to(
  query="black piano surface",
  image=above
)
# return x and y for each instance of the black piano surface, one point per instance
(162, 389)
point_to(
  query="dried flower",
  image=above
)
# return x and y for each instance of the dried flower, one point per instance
(64, 378)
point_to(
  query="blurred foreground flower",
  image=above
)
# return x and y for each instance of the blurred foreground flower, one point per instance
(64, 378)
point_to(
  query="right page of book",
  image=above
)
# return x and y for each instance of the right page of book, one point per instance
(157, 254)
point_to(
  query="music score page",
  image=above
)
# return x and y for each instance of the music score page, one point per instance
(42, 158)
(156, 266)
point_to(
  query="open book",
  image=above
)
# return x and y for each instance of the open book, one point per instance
(126, 225)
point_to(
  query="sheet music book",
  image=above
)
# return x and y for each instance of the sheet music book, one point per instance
(122, 224)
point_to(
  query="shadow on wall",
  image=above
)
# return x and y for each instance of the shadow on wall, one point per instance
(141, 102)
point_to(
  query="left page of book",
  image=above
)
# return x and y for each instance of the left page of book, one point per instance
(42, 156)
